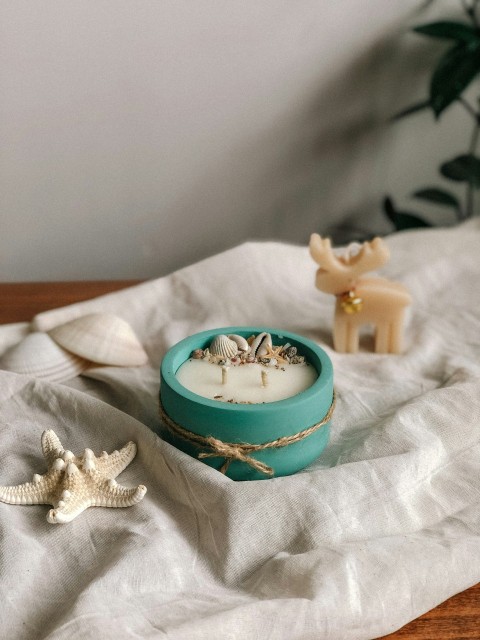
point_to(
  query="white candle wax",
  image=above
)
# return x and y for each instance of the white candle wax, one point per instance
(244, 382)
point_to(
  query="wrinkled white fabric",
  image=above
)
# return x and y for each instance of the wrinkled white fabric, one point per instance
(384, 526)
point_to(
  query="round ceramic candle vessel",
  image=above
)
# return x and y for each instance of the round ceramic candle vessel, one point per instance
(250, 423)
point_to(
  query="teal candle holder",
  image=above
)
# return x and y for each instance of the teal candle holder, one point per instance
(190, 419)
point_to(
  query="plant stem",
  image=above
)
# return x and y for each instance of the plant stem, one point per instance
(470, 186)
(474, 13)
(470, 10)
(469, 108)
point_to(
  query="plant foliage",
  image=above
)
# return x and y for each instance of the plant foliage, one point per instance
(455, 71)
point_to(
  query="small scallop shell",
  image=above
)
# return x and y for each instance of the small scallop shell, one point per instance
(241, 343)
(102, 338)
(39, 356)
(223, 346)
(260, 344)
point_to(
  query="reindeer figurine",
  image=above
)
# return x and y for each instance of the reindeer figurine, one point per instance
(361, 300)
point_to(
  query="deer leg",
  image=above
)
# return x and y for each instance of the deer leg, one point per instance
(396, 336)
(340, 333)
(352, 338)
(382, 338)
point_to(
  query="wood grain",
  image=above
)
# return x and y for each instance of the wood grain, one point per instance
(456, 619)
(19, 302)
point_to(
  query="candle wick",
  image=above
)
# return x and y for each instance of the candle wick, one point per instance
(224, 374)
(264, 379)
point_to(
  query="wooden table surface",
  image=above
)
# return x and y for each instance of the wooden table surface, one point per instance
(456, 619)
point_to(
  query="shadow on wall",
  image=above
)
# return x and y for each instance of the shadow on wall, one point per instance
(342, 167)
(131, 166)
(328, 165)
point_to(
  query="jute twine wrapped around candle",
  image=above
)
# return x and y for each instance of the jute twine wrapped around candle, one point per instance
(241, 450)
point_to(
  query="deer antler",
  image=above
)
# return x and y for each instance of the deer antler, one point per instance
(321, 252)
(372, 255)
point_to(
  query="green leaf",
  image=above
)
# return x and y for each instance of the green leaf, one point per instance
(464, 168)
(409, 221)
(456, 69)
(389, 209)
(424, 104)
(449, 31)
(403, 219)
(438, 196)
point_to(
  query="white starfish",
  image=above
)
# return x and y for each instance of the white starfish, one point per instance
(72, 484)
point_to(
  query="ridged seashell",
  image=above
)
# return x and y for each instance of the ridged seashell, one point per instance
(260, 344)
(102, 338)
(39, 356)
(221, 345)
(241, 343)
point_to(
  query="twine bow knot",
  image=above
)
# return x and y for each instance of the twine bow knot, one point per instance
(232, 451)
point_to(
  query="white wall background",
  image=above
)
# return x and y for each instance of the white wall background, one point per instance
(138, 135)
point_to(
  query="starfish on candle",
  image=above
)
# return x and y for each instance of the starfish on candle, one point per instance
(72, 484)
(273, 352)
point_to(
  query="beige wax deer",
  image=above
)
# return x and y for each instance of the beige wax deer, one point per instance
(361, 300)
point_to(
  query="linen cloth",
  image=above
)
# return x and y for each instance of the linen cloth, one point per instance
(381, 528)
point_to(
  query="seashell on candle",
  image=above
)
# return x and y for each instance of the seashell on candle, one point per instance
(261, 344)
(240, 341)
(223, 346)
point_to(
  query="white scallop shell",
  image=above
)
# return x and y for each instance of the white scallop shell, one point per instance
(221, 345)
(260, 344)
(102, 338)
(241, 343)
(39, 356)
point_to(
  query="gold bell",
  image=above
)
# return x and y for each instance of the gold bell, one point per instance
(351, 303)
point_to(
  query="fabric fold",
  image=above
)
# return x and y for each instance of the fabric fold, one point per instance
(381, 528)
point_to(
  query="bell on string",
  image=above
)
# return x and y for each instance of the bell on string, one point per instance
(351, 303)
